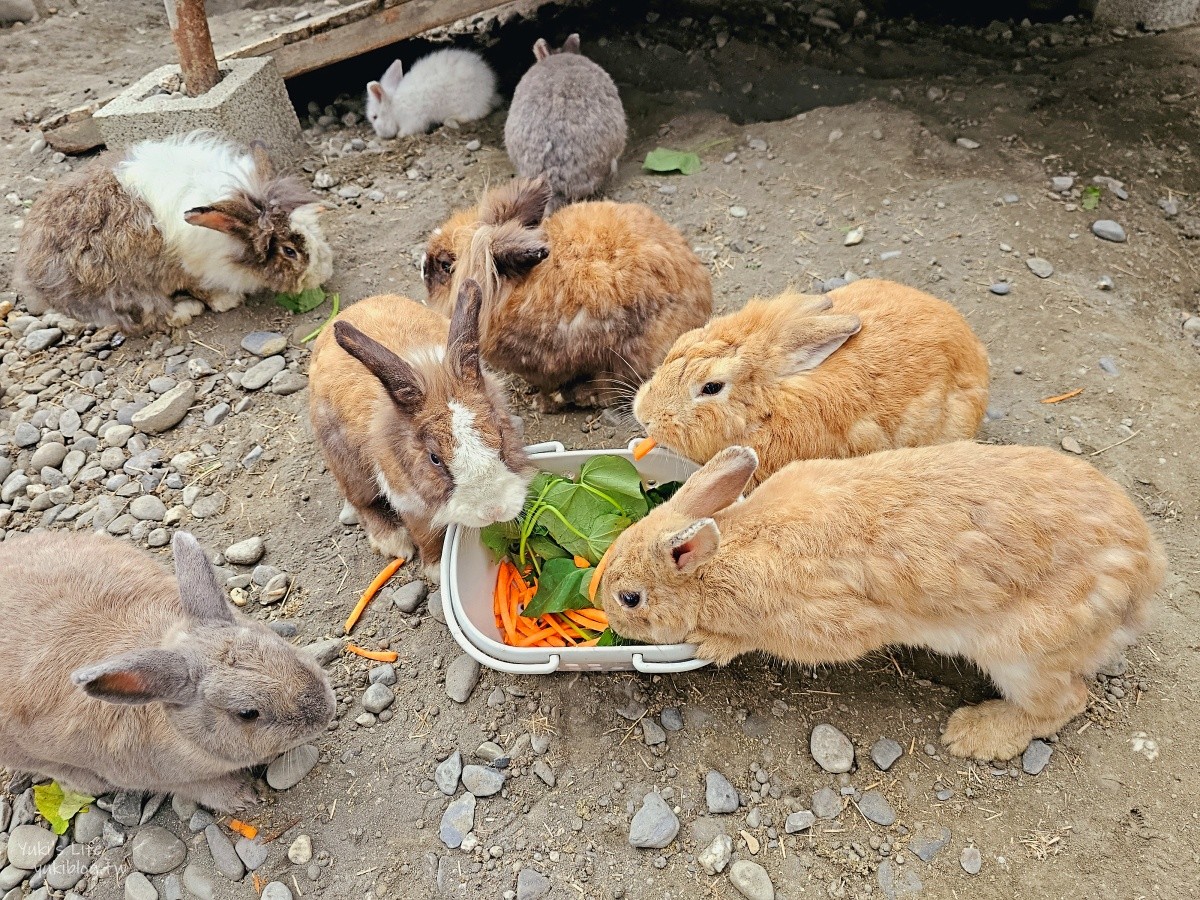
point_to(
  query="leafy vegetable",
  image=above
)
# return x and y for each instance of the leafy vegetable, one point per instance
(609, 638)
(305, 301)
(1091, 197)
(57, 805)
(563, 585)
(663, 160)
(313, 335)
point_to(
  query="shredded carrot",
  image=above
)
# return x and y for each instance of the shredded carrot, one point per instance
(598, 574)
(569, 628)
(380, 580)
(592, 643)
(249, 832)
(582, 617)
(643, 447)
(377, 655)
(532, 639)
(552, 622)
(1059, 398)
(581, 563)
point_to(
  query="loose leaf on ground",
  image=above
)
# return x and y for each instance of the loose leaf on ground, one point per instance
(305, 301)
(663, 160)
(57, 805)
(1091, 197)
(563, 585)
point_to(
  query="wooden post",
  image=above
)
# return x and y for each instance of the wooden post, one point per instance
(189, 29)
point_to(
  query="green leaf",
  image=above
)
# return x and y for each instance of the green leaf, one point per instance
(663, 160)
(619, 481)
(546, 548)
(58, 806)
(305, 301)
(1091, 197)
(563, 585)
(609, 638)
(659, 495)
(500, 537)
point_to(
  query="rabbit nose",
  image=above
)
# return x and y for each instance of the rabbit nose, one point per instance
(495, 513)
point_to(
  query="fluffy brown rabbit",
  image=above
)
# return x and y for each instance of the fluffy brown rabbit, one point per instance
(870, 366)
(578, 303)
(148, 238)
(114, 675)
(1029, 563)
(415, 431)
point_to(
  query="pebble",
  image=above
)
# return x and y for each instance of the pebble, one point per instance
(928, 843)
(446, 775)
(1169, 207)
(715, 857)
(970, 860)
(1108, 230)
(826, 803)
(166, 411)
(247, 552)
(51, 455)
(326, 651)
(885, 752)
(543, 771)
(377, 698)
(30, 846)
(654, 825)
(875, 807)
(224, 855)
(154, 850)
(68, 867)
(457, 821)
(301, 850)
(408, 597)
(831, 749)
(854, 237)
(1000, 288)
(967, 143)
(148, 508)
(1109, 366)
(26, 435)
(799, 821)
(252, 853)
(482, 781)
(1071, 445)
(216, 415)
(461, 677)
(1062, 183)
(89, 824)
(138, 887)
(738, 212)
(671, 719)
(197, 883)
(41, 339)
(290, 768)
(720, 795)
(653, 733)
(898, 881)
(264, 343)
(275, 589)
(1036, 757)
(275, 890)
(260, 374)
(287, 383)
(199, 820)
(751, 880)
(1039, 267)
(473, 145)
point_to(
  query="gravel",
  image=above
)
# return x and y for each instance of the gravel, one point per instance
(826, 803)
(30, 846)
(139, 887)
(377, 698)
(532, 884)
(720, 795)
(482, 781)
(751, 880)
(165, 412)
(68, 867)
(446, 775)
(154, 850)
(289, 769)
(264, 343)
(831, 749)
(654, 825)
(799, 821)
(223, 853)
(457, 821)
(408, 597)
(971, 860)
(260, 374)
(885, 752)
(928, 842)
(301, 850)
(1036, 757)
(875, 807)
(461, 677)
(715, 857)
(247, 552)
(1108, 230)
(1039, 267)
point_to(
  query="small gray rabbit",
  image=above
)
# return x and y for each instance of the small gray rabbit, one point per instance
(566, 123)
(114, 675)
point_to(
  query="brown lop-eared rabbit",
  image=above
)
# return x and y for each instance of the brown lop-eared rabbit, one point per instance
(415, 431)
(578, 304)
(114, 675)
(870, 366)
(1027, 562)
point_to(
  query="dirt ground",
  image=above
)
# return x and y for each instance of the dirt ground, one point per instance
(811, 133)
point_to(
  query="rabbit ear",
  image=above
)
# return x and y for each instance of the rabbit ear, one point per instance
(717, 485)
(398, 377)
(391, 78)
(522, 199)
(815, 339)
(517, 250)
(463, 343)
(571, 45)
(375, 89)
(202, 596)
(540, 49)
(262, 159)
(233, 217)
(139, 677)
(694, 545)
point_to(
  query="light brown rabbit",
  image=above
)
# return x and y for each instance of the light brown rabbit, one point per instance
(114, 675)
(577, 303)
(870, 366)
(416, 433)
(1029, 563)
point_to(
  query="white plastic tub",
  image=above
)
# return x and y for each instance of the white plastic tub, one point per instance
(469, 583)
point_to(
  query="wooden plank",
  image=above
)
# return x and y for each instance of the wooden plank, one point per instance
(305, 28)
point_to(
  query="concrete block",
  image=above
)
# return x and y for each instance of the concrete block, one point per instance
(249, 103)
(1153, 15)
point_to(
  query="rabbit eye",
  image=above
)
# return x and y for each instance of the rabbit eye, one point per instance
(630, 599)
(712, 387)
(290, 252)
(247, 715)
(435, 459)
(446, 265)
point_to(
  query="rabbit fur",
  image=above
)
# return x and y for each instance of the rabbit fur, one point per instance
(122, 677)
(566, 123)
(415, 432)
(116, 242)
(582, 304)
(449, 85)
(1029, 563)
(870, 366)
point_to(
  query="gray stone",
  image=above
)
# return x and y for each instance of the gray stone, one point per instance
(10, 877)
(30, 846)
(1071, 445)
(970, 860)
(26, 435)
(22, 11)
(1169, 207)
(138, 887)
(301, 850)
(154, 850)
(287, 383)
(264, 343)
(446, 775)
(715, 857)
(215, 415)
(898, 881)
(14, 486)
(1108, 230)
(172, 888)
(966, 143)
(826, 803)
(653, 733)
(289, 769)
(377, 698)
(275, 589)
(929, 841)
(461, 677)
(247, 552)
(208, 506)
(831, 749)
(482, 781)
(41, 339)
(51, 455)
(224, 855)
(408, 597)
(543, 771)
(1040, 267)
(457, 821)
(751, 880)
(382, 674)
(89, 824)
(1036, 757)
(198, 884)
(799, 821)
(654, 825)
(199, 820)
(532, 884)
(167, 411)
(161, 384)
(1000, 288)
(183, 808)
(117, 435)
(260, 374)
(875, 807)
(326, 651)
(252, 853)
(885, 752)
(68, 867)
(275, 890)
(148, 508)
(671, 718)
(1062, 183)
(719, 794)
(738, 212)
(1108, 366)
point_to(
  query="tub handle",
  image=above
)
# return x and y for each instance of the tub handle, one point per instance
(666, 668)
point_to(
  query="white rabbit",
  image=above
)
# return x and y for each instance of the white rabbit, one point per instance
(446, 86)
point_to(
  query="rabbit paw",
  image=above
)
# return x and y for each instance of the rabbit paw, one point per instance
(549, 403)
(220, 303)
(432, 573)
(226, 795)
(395, 544)
(184, 312)
(995, 729)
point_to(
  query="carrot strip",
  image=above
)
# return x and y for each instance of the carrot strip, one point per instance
(598, 574)
(380, 580)
(1059, 398)
(249, 832)
(581, 563)
(555, 641)
(592, 643)
(503, 601)
(643, 447)
(377, 655)
(532, 639)
(553, 623)
(594, 615)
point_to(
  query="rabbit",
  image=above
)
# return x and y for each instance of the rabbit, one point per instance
(1027, 562)
(565, 123)
(114, 675)
(579, 304)
(414, 430)
(870, 366)
(446, 86)
(117, 242)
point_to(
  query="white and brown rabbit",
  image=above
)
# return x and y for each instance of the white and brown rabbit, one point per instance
(148, 239)
(578, 303)
(870, 366)
(566, 123)
(415, 431)
(114, 675)
(1027, 562)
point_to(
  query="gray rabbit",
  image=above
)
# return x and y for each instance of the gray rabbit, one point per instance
(566, 123)
(114, 675)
